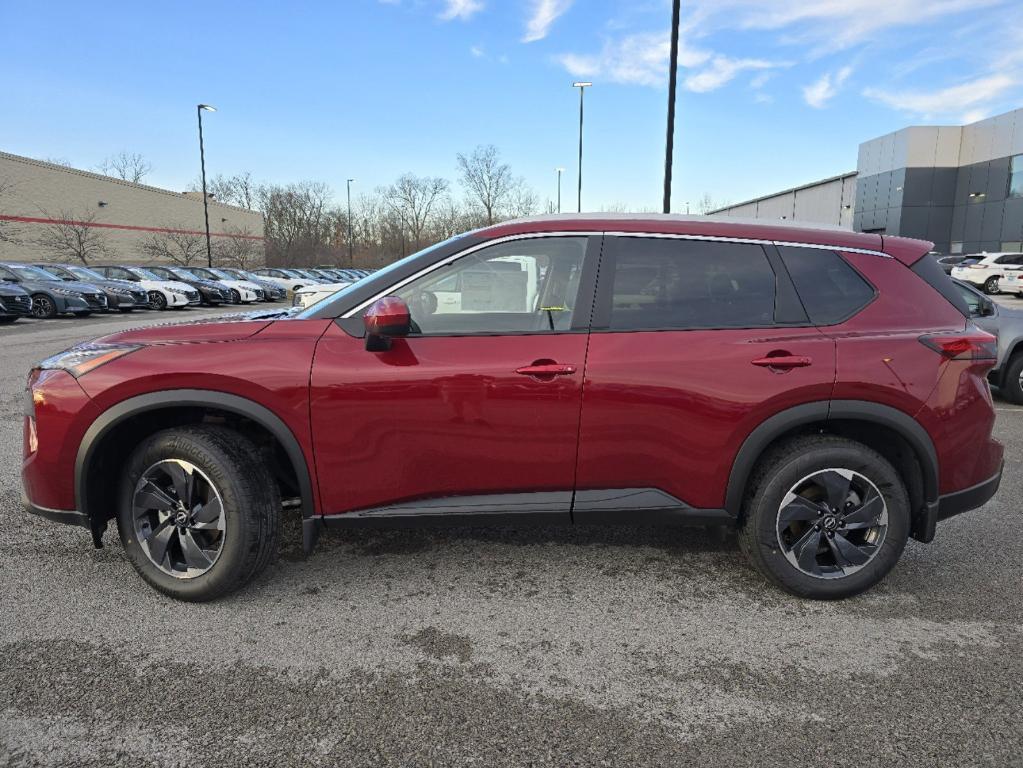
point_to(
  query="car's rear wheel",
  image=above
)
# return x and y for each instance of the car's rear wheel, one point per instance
(43, 306)
(199, 512)
(825, 517)
(1012, 384)
(991, 285)
(157, 300)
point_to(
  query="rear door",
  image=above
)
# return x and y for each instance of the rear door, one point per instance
(694, 343)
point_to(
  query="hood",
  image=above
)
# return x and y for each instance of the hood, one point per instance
(171, 285)
(69, 285)
(323, 287)
(223, 328)
(11, 289)
(118, 285)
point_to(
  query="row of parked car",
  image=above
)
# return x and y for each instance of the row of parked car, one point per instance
(991, 272)
(46, 290)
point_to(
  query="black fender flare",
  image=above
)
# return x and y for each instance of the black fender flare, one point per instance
(152, 401)
(772, 428)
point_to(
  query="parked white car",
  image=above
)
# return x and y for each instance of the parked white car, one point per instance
(1012, 282)
(284, 278)
(305, 297)
(988, 270)
(163, 294)
(242, 291)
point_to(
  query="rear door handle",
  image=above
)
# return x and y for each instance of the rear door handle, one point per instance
(783, 362)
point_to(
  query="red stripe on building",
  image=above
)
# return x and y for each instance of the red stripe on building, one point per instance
(32, 220)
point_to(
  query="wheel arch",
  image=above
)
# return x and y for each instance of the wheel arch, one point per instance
(182, 400)
(897, 434)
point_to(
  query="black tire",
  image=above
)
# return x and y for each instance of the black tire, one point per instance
(157, 300)
(1012, 385)
(782, 470)
(250, 500)
(991, 285)
(43, 307)
(236, 297)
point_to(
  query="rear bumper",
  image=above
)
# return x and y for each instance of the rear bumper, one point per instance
(952, 504)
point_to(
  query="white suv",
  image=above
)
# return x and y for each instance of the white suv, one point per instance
(988, 270)
(163, 294)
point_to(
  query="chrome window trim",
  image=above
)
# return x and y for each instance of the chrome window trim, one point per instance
(589, 233)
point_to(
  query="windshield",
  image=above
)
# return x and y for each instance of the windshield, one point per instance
(144, 273)
(85, 273)
(56, 273)
(32, 273)
(384, 273)
(221, 274)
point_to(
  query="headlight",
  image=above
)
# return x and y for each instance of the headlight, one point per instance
(81, 359)
(67, 292)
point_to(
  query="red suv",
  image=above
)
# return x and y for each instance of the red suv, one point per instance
(820, 391)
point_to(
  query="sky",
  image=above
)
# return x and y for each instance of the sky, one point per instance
(772, 93)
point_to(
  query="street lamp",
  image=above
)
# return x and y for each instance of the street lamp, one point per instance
(200, 108)
(351, 263)
(582, 86)
(669, 143)
(560, 171)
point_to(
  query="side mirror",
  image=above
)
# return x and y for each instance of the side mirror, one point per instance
(385, 319)
(987, 309)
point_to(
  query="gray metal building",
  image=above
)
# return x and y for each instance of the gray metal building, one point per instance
(959, 186)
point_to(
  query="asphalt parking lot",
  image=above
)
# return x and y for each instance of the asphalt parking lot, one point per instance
(555, 646)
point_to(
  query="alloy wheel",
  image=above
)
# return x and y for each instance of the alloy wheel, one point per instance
(43, 307)
(179, 518)
(832, 523)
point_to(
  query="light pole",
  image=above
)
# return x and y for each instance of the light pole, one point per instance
(199, 109)
(582, 89)
(351, 263)
(560, 171)
(669, 143)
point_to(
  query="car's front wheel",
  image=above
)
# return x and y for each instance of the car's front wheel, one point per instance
(199, 512)
(43, 306)
(157, 300)
(825, 517)
(991, 285)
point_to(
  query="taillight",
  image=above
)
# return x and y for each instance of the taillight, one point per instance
(971, 344)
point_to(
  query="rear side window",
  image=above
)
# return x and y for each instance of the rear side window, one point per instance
(670, 284)
(831, 290)
(932, 273)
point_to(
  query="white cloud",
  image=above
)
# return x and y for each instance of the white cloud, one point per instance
(642, 59)
(763, 98)
(477, 51)
(543, 14)
(966, 100)
(819, 93)
(460, 9)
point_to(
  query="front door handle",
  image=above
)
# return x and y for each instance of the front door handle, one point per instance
(545, 370)
(783, 362)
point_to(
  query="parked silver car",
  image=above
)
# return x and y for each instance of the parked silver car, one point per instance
(1007, 325)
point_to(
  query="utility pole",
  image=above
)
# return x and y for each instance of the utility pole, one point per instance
(582, 89)
(669, 148)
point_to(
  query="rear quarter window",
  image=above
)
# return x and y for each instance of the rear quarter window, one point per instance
(830, 289)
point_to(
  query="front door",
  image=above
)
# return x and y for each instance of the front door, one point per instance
(477, 411)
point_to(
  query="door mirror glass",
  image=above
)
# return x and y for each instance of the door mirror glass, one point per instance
(385, 319)
(987, 308)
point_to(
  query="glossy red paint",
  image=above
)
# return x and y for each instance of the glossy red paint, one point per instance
(442, 416)
(62, 412)
(670, 409)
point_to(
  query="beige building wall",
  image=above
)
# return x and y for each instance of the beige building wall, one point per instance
(824, 202)
(33, 194)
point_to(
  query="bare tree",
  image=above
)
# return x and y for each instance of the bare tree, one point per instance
(175, 245)
(240, 190)
(488, 182)
(297, 220)
(72, 236)
(413, 198)
(238, 248)
(707, 203)
(124, 165)
(63, 161)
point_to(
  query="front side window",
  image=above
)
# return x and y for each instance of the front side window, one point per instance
(673, 284)
(830, 289)
(1016, 176)
(521, 286)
